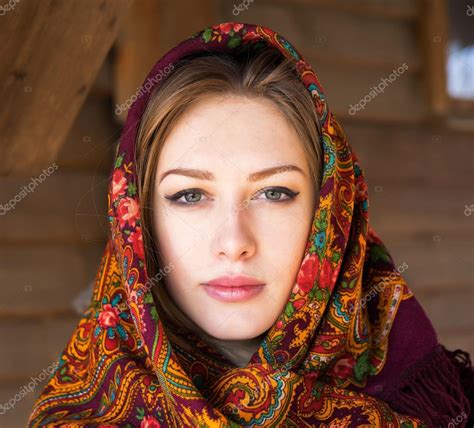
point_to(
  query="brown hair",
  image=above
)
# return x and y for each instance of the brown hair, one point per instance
(252, 73)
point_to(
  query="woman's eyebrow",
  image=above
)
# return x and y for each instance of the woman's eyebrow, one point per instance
(202, 174)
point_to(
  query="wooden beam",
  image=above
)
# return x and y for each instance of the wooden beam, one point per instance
(433, 37)
(148, 32)
(51, 53)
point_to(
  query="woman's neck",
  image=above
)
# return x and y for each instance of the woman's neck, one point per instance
(238, 352)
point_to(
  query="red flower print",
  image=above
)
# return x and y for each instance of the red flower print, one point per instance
(238, 27)
(128, 211)
(109, 317)
(119, 183)
(225, 28)
(136, 239)
(298, 303)
(307, 273)
(327, 277)
(343, 368)
(250, 36)
(113, 325)
(149, 422)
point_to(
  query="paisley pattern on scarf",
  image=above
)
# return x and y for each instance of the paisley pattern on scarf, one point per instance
(120, 367)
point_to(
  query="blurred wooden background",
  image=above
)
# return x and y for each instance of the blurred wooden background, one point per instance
(66, 66)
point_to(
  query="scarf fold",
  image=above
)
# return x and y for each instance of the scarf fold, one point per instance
(351, 328)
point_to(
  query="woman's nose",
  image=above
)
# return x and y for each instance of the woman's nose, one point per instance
(235, 236)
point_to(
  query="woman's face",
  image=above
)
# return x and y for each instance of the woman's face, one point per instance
(236, 220)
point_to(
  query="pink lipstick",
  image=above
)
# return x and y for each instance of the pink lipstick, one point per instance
(233, 288)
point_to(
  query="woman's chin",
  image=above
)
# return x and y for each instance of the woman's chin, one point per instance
(235, 330)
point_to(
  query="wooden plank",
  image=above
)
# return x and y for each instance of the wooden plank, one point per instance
(450, 309)
(199, 15)
(316, 30)
(149, 31)
(46, 280)
(433, 267)
(400, 101)
(62, 207)
(423, 212)
(412, 155)
(17, 415)
(91, 142)
(456, 339)
(103, 84)
(47, 70)
(420, 179)
(33, 346)
(406, 10)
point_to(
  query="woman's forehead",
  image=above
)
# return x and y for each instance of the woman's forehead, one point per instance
(232, 131)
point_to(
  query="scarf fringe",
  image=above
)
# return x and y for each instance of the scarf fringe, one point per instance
(438, 389)
(462, 361)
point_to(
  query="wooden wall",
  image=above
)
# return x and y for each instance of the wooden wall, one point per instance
(419, 171)
(50, 249)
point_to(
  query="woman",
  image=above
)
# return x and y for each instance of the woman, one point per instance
(242, 284)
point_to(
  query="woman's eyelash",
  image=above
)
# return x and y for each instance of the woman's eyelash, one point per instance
(278, 190)
(174, 198)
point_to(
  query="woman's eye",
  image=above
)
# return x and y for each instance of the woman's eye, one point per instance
(275, 193)
(193, 196)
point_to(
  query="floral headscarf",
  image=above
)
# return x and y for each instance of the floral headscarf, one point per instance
(352, 346)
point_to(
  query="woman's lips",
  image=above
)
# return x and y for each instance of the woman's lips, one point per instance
(233, 288)
(233, 294)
